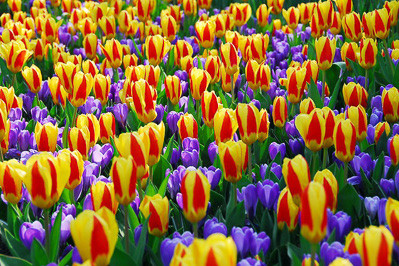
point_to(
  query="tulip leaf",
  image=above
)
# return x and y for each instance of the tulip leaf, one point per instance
(14, 245)
(294, 253)
(169, 149)
(366, 183)
(120, 257)
(331, 237)
(349, 201)
(381, 145)
(311, 51)
(138, 252)
(236, 217)
(38, 254)
(315, 95)
(171, 59)
(134, 221)
(132, 120)
(13, 261)
(151, 190)
(55, 237)
(66, 260)
(160, 170)
(378, 172)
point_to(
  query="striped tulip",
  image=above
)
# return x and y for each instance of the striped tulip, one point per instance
(329, 182)
(90, 45)
(102, 87)
(306, 10)
(392, 217)
(169, 27)
(314, 213)
(382, 23)
(349, 50)
(251, 73)
(292, 16)
(226, 79)
(46, 136)
(367, 53)
(212, 66)
(344, 140)
(394, 150)
(95, 235)
(143, 101)
(89, 121)
(353, 243)
(357, 115)
(390, 104)
(188, 126)
(210, 104)
(156, 135)
(33, 78)
(205, 31)
(103, 195)
(50, 29)
(344, 6)
(89, 67)
(280, 112)
(262, 14)
(130, 60)
(225, 125)
(157, 208)
(257, 48)
(232, 159)
(204, 4)
(354, 94)
(112, 51)
(248, 120)
(11, 174)
(199, 82)
(230, 58)
(44, 179)
(66, 73)
(324, 11)
(331, 119)
(312, 70)
(124, 177)
(136, 145)
(156, 47)
(335, 28)
(264, 77)
(195, 189)
(368, 24)
(182, 49)
(307, 106)
(15, 54)
(173, 88)
(377, 246)
(325, 51)
(190, 7)
(312, 128)
(107, 127)
(108, 26)
(124, 19)
(241, 12)
(287, 211)
(276, 5)
(78, 139)
(296, 85)
(380, 128)
(264, 125)
(316, 31)
(393, 10)
(144, 9)
(4, 123)
(296, 175)
(76, 166)
(352, 26)
(39, 49)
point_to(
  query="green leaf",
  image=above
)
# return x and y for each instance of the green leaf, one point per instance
(38, 254)
(169, 149)
(13, 261)
(55, 237)
(164, 185)
(294, 253)
(378, 172)
(15, 246)
(160, 170)
(120, 257)
(66, 260)
(134, 221)
(151, 190)
(315, 95)
(236, 217)
(349, 201)
(132, 120)
(138, 252)
(222, 98)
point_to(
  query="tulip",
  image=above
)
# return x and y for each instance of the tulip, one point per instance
(169, 27)
(82, 85)
(50, 29)
(15, 54)
(354, 94)
(296, 85)
(264, 77)
(89, 67)
(199, 82)
(312, 128)
(307, 106)
(108, 26)
(344, 6)
(156, 47)
(91, 123)
(232, 37)
(380, 128)
(156, 135)
(330, 119)
(262, 14)
(173, 88)
(158, 209)
(66, 73)
(4, 123)
(188, 127)
(107, 127)
(87, 27)
(248, 119)
(390, 104)
(329, 182)
(377, 246)
(143, 101)
(112, 51)
(58, 93)
(231, 62)
(279, 113)
(209, 105)
(367, 53)
(316, 30)
(78, 139)
(124, 175)
(102, 87)
(296, 175)
(225, 125)
(11, 174)
(276, 5)
(103, 195)
(38, 48)
(257, 48)
(144, 9)
(324, 11)
(33, 78)
(344, 140)
(353, 243)
(46, 137)
(325, 51)
(90, 45)
(392, 217)
(368, 24)
(226, 79)
(251, 71)
(232, 160)
(335, 28)
(241, 12)
(287, 211)
(394, 150)
(95, 235)
(393, 9)
(382, 23)
(76, 167)
(205, 31)
(306, 11)
(292, 16)
(349, 51)
(264, 125)
(357, 115)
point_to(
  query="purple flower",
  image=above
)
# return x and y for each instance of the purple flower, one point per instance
(250, 197)
(120, 112)
(381, 211)
(76, 256)
(213, 226)
(39, 114)
(276, 148)
(160, 109)
(212, 151)
(250, 262)
(296, 146)
(268, 193)
(168, 245)
(175, 179)
(67, 209)
(92, 106)
(191, 144)
(371, 205)
(102, 155)
(242, 238)
(29, 231)
(376, 102)
(213, 174)
(15, 114)
(182, 75)
(330, 252)
(172, 119)
(388, 186)
(341, 222)
(190, 158)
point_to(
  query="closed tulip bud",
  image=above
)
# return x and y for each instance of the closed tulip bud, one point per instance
(329, 182)
(90, 45)
(199, 82)
(11, 174)
(103, 195)
(144, 100)
(33, 78)
(44, 180)
(89, 67)
(357, 115)
(296, 175)
(195, 189)
(355, 94)
(130, 60)
(324, 12)
(66, 73)
(280, 112)
(344, 6)
(182, 49)
(4, 123)
(50, 29)
(212, 66)
(276, 5)
(353, 243)
(156, 135)
(390, 104)
(156, 47)
(377, 246)
(344, 140)
(380, 128)
(368, 24)
(112, 51)
(330, 118)
(307, 106)
(86, 26)
(349, 51)
(325, 51)
(226, 79)
(394, 150)
(367, 53)
(232, 159)
(15, 54)
(89, 121)
(107, 127)
(144, 9)
(133, 144)
(58, 93)
(46, 136)
(75, 168)
(82, 85)
(248, 119)
(312, 128)
(108, 26)
(169, 27)
(95, 235)
(262, 14)
(292, 16)
(242, 13)
(173, 88)
(102, 87)
(124, 19)
(188, 127)
(287, 210)
(352, 26)
(251, 72)
(205, 31)
(157, 208)
(314, 213)
(335, 28)
(225, 125)
(296, 85)
(210, 104)
(392, 216)
(257, 48)
(230, 58)
(264, 125)
(306, 11)
(78, 139)
(38, 48)
(264, 77)
(124, 177)
(393, 10)
(382, 23)
(316, 30)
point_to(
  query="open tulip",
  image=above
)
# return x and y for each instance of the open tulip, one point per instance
(324, 11)
(276, 5)
(112, 51)
(262, 14)
(156, 47)
(312, 128)
(344, 6)
(157, 208)
(377, 246)
(292, 16)
(15, 54)
(242, 13)
(306, 11)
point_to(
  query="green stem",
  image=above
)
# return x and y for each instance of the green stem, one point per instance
(116, 75)
(47, 229)
(199, 113)
(232, 90)
(346, 172)
(75, 113)
(389, 58)
(324, 84)
(245, 95)
(249, 162)
(126, 228)
(292, 111)
(195, 230)
(71, 196)
(325, 156)
(366, 84)
(150, 174)
(140, 190)
(234, 185)
(14, 80)
(1, 154)
(313, 165)
(313, 255)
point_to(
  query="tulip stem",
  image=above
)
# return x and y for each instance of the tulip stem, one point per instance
(116, 76)
(232, 90)
(313, 255)
(346, 172)
(313, 164)
(199, 113)
(249, 162)
(71, 196)
(366, 77)
(195, 230)
(325, 156)
(126, 229)
(140, 189)
(324, 84)
(47, 229)
(1, 154)
(234, 185)
(150, 173)
(75, 113)
(245, 95)
(292, 110)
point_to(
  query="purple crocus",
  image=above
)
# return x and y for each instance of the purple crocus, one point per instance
(120, 111)
(213, 226)
(268, 193)
(276, 148)
(249, 196)
(341, 222)
(29, 231)
(168, 245)
(172, 119)
(213, 174)
(101, 155)
(190, 158)
(371, 205)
